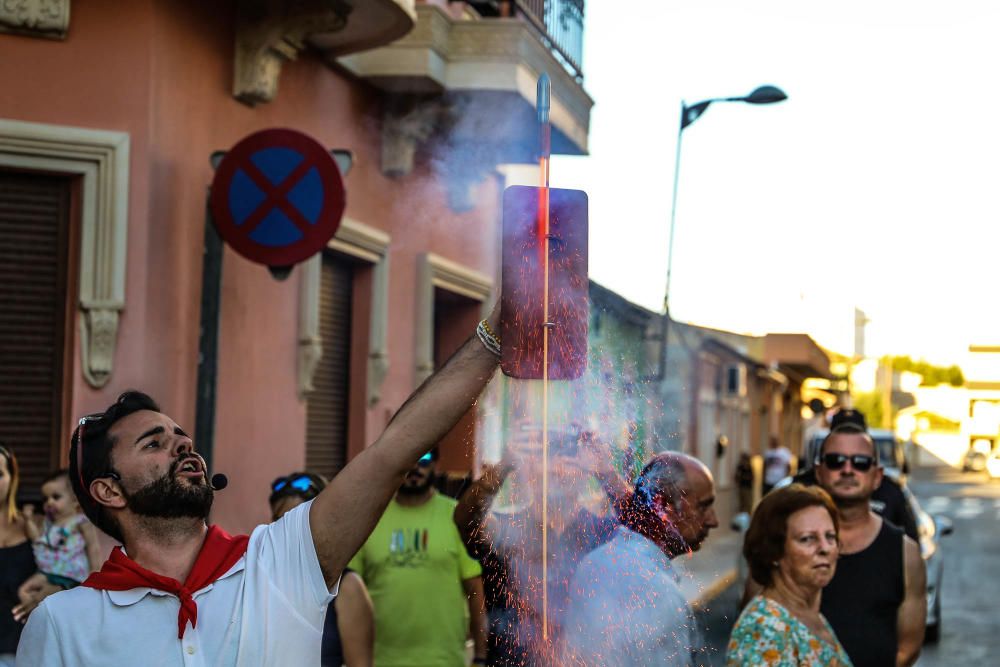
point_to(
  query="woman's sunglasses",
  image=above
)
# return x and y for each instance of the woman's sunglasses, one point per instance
(860, 462)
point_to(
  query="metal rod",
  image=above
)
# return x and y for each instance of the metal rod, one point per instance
(546, 150)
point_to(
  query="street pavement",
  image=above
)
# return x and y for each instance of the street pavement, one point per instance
(715, 622)
(970, 618)
(970, 625)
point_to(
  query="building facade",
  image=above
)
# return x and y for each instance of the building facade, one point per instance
(109, 116)
(726, 394)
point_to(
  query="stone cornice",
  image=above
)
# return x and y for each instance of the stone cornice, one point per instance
(272, 32)
(504, 55)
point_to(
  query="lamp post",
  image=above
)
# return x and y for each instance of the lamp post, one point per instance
(689, 114)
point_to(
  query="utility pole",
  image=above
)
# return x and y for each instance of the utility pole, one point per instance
(886, 367)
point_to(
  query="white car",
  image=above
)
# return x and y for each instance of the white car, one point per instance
(929, 531)
(993, 465)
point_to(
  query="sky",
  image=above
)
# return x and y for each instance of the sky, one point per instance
(873, 186)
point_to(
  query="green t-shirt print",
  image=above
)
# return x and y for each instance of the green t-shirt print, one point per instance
(414, 564)
(408, 547)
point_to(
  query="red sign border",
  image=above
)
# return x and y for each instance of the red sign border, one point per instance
(316, 235)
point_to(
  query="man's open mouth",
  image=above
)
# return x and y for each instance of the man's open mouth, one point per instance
(190, 468)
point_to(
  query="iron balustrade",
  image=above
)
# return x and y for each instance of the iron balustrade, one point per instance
(560, 23)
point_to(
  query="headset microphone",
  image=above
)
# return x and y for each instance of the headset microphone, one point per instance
(219, 481)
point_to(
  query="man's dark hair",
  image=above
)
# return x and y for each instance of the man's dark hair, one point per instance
(56, 474)
(96, 455)
(848, 416)
(764, 544)
(849, 428)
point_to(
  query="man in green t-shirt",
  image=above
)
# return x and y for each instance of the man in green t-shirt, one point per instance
(424, 586)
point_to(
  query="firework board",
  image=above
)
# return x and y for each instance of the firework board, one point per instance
(523, 278)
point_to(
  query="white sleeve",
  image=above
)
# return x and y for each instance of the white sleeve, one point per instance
(285, 552)
(39, 644)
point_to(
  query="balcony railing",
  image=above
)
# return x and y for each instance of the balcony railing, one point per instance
(559, 23)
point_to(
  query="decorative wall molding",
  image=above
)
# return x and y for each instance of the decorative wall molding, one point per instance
(411, 122)
(434, 271)
(272, 32)
(368, 245)
(310, 348)
(101, 159)
(35, 18)
(406, 123)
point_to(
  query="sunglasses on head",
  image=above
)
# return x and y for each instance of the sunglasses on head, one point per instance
(860, 462)
(304, 484)
(81, 427)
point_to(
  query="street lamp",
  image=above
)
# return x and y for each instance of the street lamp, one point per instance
(689, 114)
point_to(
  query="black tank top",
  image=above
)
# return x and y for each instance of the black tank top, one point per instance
(862, 600)
(17, 563)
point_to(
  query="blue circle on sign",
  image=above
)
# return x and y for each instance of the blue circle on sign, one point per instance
(276, 164)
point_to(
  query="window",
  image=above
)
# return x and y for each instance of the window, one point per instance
(35, 237)
(327, 404)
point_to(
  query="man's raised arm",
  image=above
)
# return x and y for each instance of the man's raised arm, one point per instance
(345, 513)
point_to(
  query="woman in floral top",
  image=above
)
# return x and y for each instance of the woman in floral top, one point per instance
(792, 547)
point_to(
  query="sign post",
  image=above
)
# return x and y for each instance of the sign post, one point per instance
(277, 199)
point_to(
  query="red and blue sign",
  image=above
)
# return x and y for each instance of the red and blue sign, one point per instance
(277, 197)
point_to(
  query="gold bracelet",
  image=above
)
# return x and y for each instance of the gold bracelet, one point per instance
(489, 330)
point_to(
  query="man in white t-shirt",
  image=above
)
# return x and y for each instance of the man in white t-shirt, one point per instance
(185, 593)
(777, 464)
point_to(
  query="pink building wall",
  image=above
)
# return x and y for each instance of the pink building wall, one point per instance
(162, 72)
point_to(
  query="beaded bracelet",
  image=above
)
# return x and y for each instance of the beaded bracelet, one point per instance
(488, 338)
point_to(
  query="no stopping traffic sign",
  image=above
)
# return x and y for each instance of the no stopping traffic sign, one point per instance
(277, 197)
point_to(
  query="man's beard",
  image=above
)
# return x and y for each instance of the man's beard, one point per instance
(407, 490)
(167, 498)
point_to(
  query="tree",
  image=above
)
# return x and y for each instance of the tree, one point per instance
(870, 405)
(933, 375)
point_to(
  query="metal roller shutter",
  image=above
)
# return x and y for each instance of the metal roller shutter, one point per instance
(326, 409)
(34, 232)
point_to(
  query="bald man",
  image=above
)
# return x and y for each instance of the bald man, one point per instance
(625, 606)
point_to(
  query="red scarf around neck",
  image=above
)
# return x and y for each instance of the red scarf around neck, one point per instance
(219, 553)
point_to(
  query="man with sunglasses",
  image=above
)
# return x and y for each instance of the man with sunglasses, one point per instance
(181, 592)
(876, 601)
(888, 499)
(426, 590)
